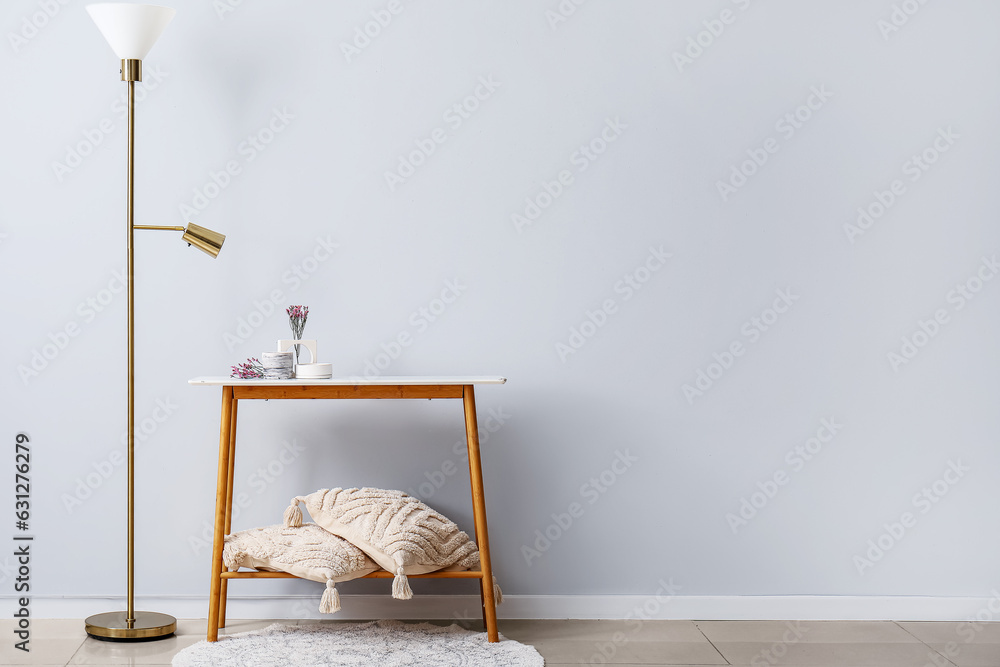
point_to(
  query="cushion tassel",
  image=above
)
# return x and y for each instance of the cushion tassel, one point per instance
(293, 515)
(331, 599)
(400, 586)
(497, 593)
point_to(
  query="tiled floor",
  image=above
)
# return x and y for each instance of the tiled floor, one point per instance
(683, 643)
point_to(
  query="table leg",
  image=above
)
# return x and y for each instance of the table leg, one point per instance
(479, 513)
(221, 498)
(224, 594)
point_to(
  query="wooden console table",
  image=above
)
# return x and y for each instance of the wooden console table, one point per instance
(234, 390)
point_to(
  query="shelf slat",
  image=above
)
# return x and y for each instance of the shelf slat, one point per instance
(378, 574)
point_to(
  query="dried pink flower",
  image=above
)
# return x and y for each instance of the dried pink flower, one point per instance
(251, 369)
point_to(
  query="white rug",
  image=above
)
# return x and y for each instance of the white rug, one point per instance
(381, 643)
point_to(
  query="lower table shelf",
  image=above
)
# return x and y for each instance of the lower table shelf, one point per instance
(379, 574)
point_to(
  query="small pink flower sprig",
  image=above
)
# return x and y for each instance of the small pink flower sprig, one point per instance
(297, 316)
(251, 369)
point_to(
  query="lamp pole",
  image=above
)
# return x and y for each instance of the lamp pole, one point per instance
(130, 75)
(132, 625)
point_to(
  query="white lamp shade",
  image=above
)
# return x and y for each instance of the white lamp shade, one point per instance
(130, 29)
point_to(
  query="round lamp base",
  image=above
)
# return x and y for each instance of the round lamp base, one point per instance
(114, 626)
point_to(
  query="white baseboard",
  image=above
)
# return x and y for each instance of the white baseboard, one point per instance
(805, 607)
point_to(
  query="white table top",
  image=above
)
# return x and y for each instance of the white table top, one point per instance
(220, 380)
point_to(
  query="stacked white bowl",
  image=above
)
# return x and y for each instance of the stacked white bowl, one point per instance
(319, 371)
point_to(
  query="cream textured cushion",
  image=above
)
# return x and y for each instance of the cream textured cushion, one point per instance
(306, 551)
(399, 532)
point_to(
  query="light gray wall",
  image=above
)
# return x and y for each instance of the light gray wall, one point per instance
(217, 77)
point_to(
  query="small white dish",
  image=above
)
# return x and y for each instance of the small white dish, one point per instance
(314, 371)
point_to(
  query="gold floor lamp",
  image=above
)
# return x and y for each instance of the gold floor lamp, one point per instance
(131, 30)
